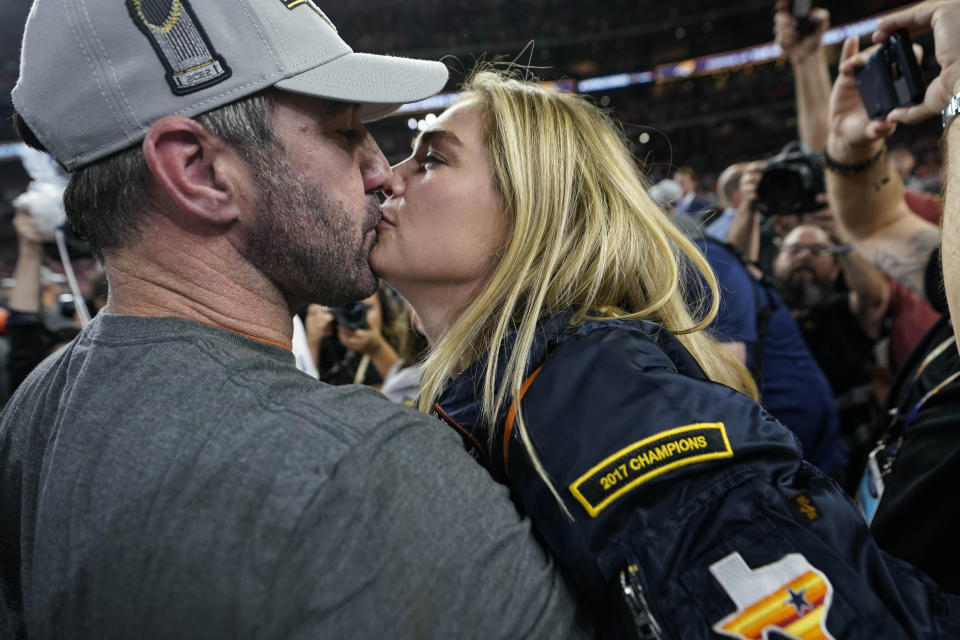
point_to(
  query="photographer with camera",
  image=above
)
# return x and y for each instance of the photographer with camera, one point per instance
(346, 341)
(906, 317)
(853, 312)
(756, 327)
(31, 339)
(839, 300)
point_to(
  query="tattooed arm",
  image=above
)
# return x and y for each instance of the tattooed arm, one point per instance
(943, 18)
(869, 201)
(905, 260)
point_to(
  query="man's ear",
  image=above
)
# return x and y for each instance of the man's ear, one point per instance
(194, 167)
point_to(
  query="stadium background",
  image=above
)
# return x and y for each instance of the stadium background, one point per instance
(695, 82)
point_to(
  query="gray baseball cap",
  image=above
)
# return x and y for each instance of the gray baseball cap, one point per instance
(95, 74)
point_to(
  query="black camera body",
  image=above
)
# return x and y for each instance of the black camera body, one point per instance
(891, 78)
(353, 316)
(791, 182)
(66, 305)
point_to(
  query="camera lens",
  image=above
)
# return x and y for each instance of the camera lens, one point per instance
(351, 317)
(779, 190)
(66, 305)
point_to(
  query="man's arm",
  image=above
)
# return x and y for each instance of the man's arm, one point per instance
(869, 292)
(811, 79)
(943, 18)
(25, 295)
(866, 196)
(744, 233)
(950, 250)
(29, 341)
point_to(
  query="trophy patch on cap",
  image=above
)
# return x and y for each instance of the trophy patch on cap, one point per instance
(292, 4)
(181, 44)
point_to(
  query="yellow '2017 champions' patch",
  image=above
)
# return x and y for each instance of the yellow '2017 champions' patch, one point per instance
(647, 459)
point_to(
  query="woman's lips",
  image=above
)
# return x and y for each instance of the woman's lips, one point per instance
(387, 221)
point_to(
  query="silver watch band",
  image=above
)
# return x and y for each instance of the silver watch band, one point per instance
(952, 109)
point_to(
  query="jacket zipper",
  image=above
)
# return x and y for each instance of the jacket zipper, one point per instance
(647, 626)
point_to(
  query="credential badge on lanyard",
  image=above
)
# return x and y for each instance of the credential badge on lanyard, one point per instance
(880, 460)
(871, 485)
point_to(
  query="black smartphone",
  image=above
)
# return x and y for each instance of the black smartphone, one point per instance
(800, 9)
(891, 78)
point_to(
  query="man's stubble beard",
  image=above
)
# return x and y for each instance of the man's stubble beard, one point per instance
(305, 241)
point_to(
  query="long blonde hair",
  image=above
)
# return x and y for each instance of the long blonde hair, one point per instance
(583, 235)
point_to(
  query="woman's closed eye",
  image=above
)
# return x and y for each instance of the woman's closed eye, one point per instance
(428, 160)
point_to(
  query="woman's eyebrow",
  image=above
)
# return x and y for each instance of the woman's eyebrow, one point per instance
(440, 135)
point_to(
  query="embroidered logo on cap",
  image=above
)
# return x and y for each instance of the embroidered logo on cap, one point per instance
(181, 44)
(651, 457)
(292, 4)
(789, 598)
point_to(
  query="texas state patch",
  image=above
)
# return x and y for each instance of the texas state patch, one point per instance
(789, 598)
(651, 457)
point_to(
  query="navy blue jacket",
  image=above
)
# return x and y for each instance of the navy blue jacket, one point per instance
(694, 515)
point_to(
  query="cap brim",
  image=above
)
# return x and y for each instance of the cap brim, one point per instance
(380, 83)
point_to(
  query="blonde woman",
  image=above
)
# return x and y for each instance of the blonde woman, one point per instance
(552, 292)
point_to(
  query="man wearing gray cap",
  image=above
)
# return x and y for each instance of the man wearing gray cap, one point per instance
(170, 473)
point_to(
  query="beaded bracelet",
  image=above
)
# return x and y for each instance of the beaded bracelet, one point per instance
(844, 169)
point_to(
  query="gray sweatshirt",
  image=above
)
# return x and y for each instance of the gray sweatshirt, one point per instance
(160, 478)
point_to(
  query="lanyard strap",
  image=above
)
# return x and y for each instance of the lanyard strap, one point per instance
(933, 355)
(940, 348)
(927, 396)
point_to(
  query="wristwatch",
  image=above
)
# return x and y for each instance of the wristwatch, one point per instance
(952, 109)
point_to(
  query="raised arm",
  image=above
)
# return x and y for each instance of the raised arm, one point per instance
(869, 288)
(943, 18)
(744, 233)
(950, 250)
(811, 79)
(865, 194)
(25, 295)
